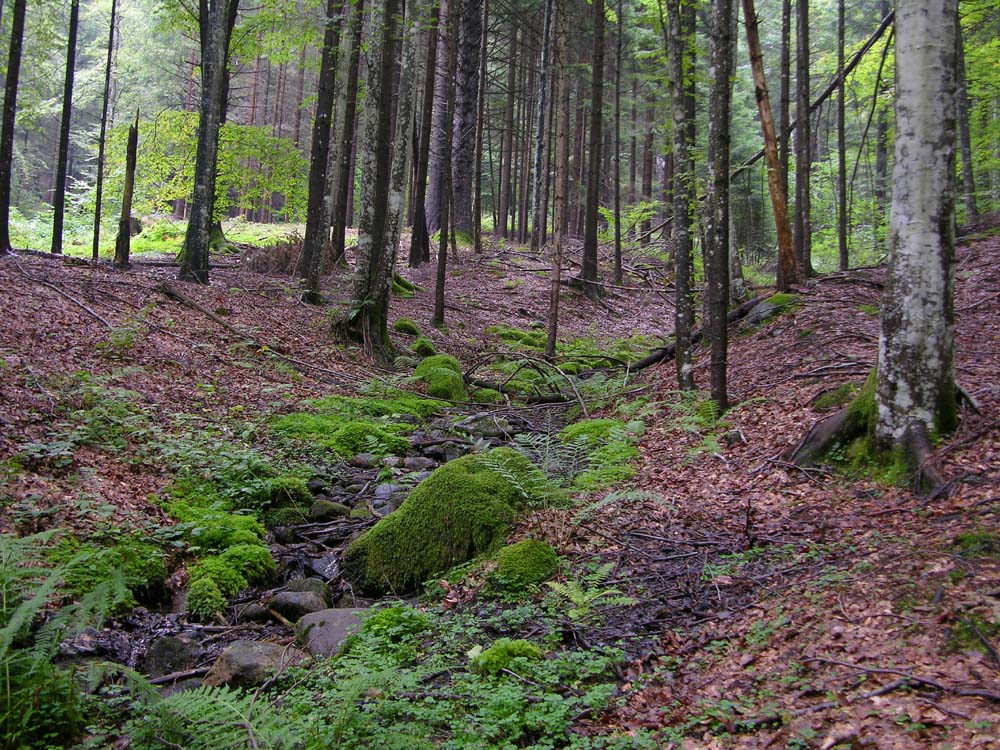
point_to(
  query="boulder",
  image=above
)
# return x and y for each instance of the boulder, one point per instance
(323, 633)
(326, 510)
(301, 597)
(249, 664)
(172, 653)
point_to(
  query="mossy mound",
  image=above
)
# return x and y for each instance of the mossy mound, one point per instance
(406, 326)
(213, 528)
(487, 396)
(461, 510)
(610, 446)
(526, 563)
(214, 579)
(443, 375)
(424, 347)
(394, 405)
(591, 432)
(285, 491)
(503, 655)
(835, 397)
(352, 438)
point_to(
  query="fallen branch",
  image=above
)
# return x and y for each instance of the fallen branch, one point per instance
(68, 296)
(916, 679)
(182, 675)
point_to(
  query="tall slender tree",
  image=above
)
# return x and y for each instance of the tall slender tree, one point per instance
(560, 33)
(841, 144)
(588, 272)
(717, 225)
(463, 153)
(7, 126)
(216, 20)
(367, 320)
(802, 227)
(62, 161)
(451, 31)
(420, 242)
(537, 220)
(102, 137)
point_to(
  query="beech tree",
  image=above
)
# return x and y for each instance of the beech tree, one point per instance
(916, 391)
(59, 197)
(7, 128)
(216, 19)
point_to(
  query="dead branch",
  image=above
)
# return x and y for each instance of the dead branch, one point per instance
(917, 679)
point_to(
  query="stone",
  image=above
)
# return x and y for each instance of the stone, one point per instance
(419, 463)
(248, 664)
(314, 585)
(323, 633)
(387, 490)
(354, 488)
(393, 462)
(326, 567)
(326, 510)
(364, 461)
(172, 653)
(317, 485)
(294, 604)
(254, 612)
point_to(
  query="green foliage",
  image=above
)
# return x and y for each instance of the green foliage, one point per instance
(973, 631)
(590, 432)
(41, 705)
(979, 543)
(213, 718)
(589, 592)
(835, 398)
(443, 375)
(424, 347)
(212, 528)
(506, 655)
(459, 511)
(393, 405)
(487, 396)
(406, 326)
(344, 438)
(526, 563)
(140, 563)
(609, 457)
(204, 599)
(227, 574)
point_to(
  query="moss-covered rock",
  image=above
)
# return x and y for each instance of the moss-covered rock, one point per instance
(487, 396)
(406, 326)
(526, 563)
(356, 437)
(835, 397)
(424, 347)
(204, 600)
(212, 529)
(443, 375)
(502, 655)
(461, 510)
(592, 432)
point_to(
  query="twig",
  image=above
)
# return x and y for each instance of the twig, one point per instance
(927, 681)
(182, 675)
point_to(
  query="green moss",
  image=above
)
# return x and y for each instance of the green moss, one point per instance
(608, 465)
(424, 347)
(443, 375)
(406, 326)
(356, 437)
(461, 510)
(526, 563)
(142, 564)
(396, 404)
(280, 492)
(503, 655)
(591, 432)
(970, 632)
(863, 411)
(253, 560)
(212, 528)
(835, 398)
(328, 509)
(360, 512)
(204, 600)
(227, 579)
(487, 396)
(292, 515)
(869, 309)
(305, 426)
(533, 340)
(980, 543)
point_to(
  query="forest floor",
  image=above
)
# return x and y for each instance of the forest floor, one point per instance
(776, 607)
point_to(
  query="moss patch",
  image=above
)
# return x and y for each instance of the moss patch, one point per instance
(526, 563)
(443, 376)
(424, 347)
(406, 326)
(504, 654)
(611, 446)
(461, 510)
(980, 543)
(591, 432)
(835, 398)
(344, 438)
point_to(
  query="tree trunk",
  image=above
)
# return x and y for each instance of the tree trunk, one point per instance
(216, 21)
(588, 272)
(617, 144)
(314, 242)
(471, 39)
(442, 86)
(787, 270)
(916, 380)
(477, 184)
(647, 166)
(102, 138)
(964, 136)
(561, 32)
(507, 144)
(537, 220)
(420, 251)
(7, 127)
(451, 30)
(344, 182)
(803, 141)
(717, 229)
(59, 198)
(841, 145)
(123, 241)
(367, 322)
(785, 93)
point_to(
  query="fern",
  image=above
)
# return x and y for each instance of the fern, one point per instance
(531, 484)
(559, 461)
(213, 718)
(621, 497)
(586, 593)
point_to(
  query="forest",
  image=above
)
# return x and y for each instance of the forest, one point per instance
(590, 374)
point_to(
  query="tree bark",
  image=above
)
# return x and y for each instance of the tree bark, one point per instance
(442, 86)
(471, 39)
(367, 322)
(964, 136)
(507, 141)
(787, 270)
(59, 198)
(785, 92)
(344, 183)
(314, 242)
(617, 144)
(802, 227)
(102, 138)
(588, 272)
(560, 32)
(915, 390)
(717, 229)
(420, 251)
(451, 30)
(477, 185)
(123, 241)
(216, 21)
(7, 126)
(841, 145)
